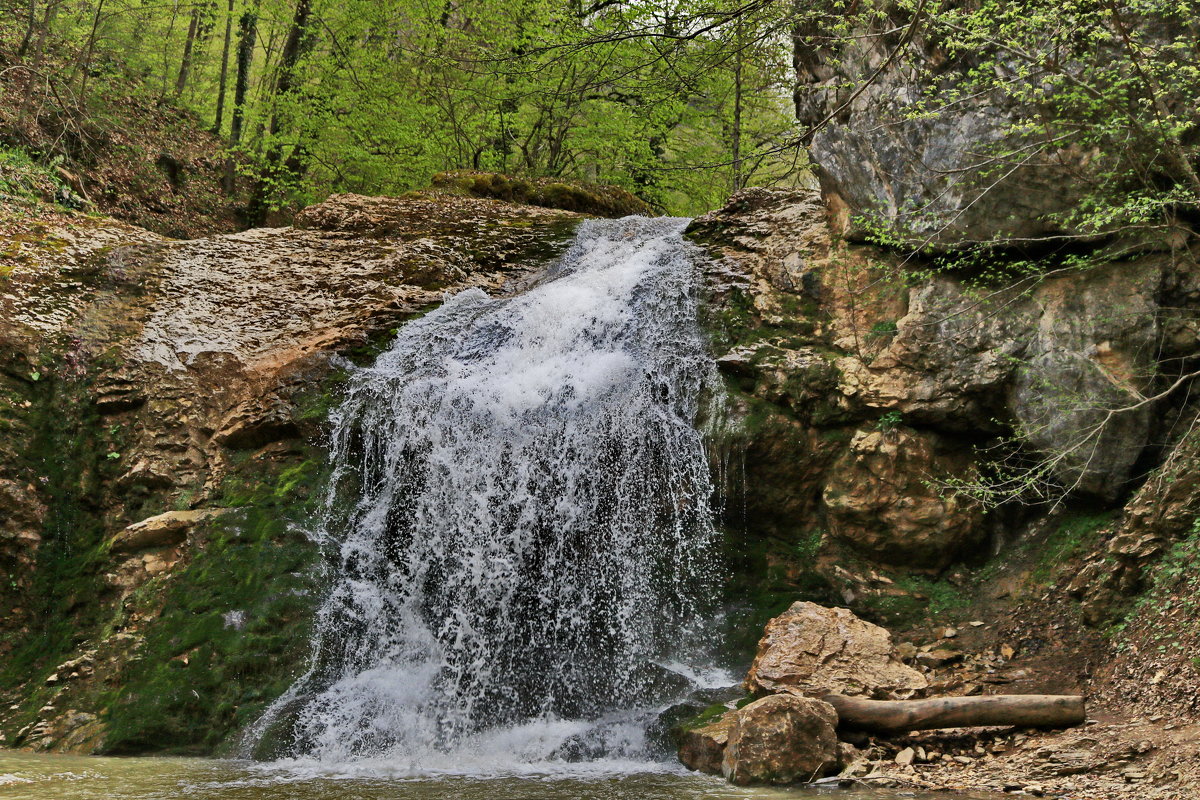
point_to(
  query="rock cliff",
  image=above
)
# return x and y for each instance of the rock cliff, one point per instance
(879, 393)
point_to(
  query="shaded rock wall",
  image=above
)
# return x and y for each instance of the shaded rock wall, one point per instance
(866, 392)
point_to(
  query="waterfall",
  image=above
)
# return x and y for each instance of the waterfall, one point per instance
(518, 523)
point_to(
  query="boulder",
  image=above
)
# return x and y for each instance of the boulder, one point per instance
(814, 651)
(879, 499)
(702, 748)
(781, 739)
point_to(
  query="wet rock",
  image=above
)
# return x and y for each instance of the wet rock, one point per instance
(257, 422)
(812, 650)
(703, 748)
(779, 740)
(667, 730)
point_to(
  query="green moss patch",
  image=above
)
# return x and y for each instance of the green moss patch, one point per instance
(231, 636)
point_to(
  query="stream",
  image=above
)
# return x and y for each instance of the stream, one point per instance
(25, 776)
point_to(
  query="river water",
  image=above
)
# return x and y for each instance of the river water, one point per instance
(25, 776)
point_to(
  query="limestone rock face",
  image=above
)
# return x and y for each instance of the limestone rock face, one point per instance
(814, 651)
(875, 156)
(781, 739)
(879, 500)
(162, 530)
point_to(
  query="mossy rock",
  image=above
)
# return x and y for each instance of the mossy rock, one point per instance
(231, 637)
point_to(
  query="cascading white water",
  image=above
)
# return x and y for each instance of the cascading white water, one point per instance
(519, 521)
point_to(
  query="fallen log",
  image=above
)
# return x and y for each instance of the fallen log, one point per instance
(896, 716)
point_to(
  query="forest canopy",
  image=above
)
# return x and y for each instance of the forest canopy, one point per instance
(367, 96)
(678, 101)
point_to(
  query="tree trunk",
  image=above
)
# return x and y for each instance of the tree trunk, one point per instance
(737, 111)
(185, 63)
(1030, 711)
(247, 31)
(276, 169)
(30, 27)
(223, 82)
(86, 63)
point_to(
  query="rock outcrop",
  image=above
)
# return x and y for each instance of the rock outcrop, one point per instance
(887, 145)
(891, 496)
(810, 650)
(874, 404)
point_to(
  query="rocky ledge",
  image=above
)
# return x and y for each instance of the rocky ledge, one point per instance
(1001, 451)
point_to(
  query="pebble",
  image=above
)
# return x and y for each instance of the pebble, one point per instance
(905, 757)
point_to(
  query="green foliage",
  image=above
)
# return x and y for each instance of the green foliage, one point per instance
(882, 330)
(889, 421)
(1073, 535)
(68, 457)
(1117, 82)
(24, 178)
(377, 96)
(809, 545)
(920, 597)
(1174, 585)
(708, 716)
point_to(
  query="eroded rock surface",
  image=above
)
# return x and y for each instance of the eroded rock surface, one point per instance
(891, 496)
(826, 343)
(780, 739)
(162, 402)
(813, 651)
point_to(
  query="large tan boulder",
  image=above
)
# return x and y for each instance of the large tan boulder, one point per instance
(781, 739)
(814, 651)
(882, 499)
